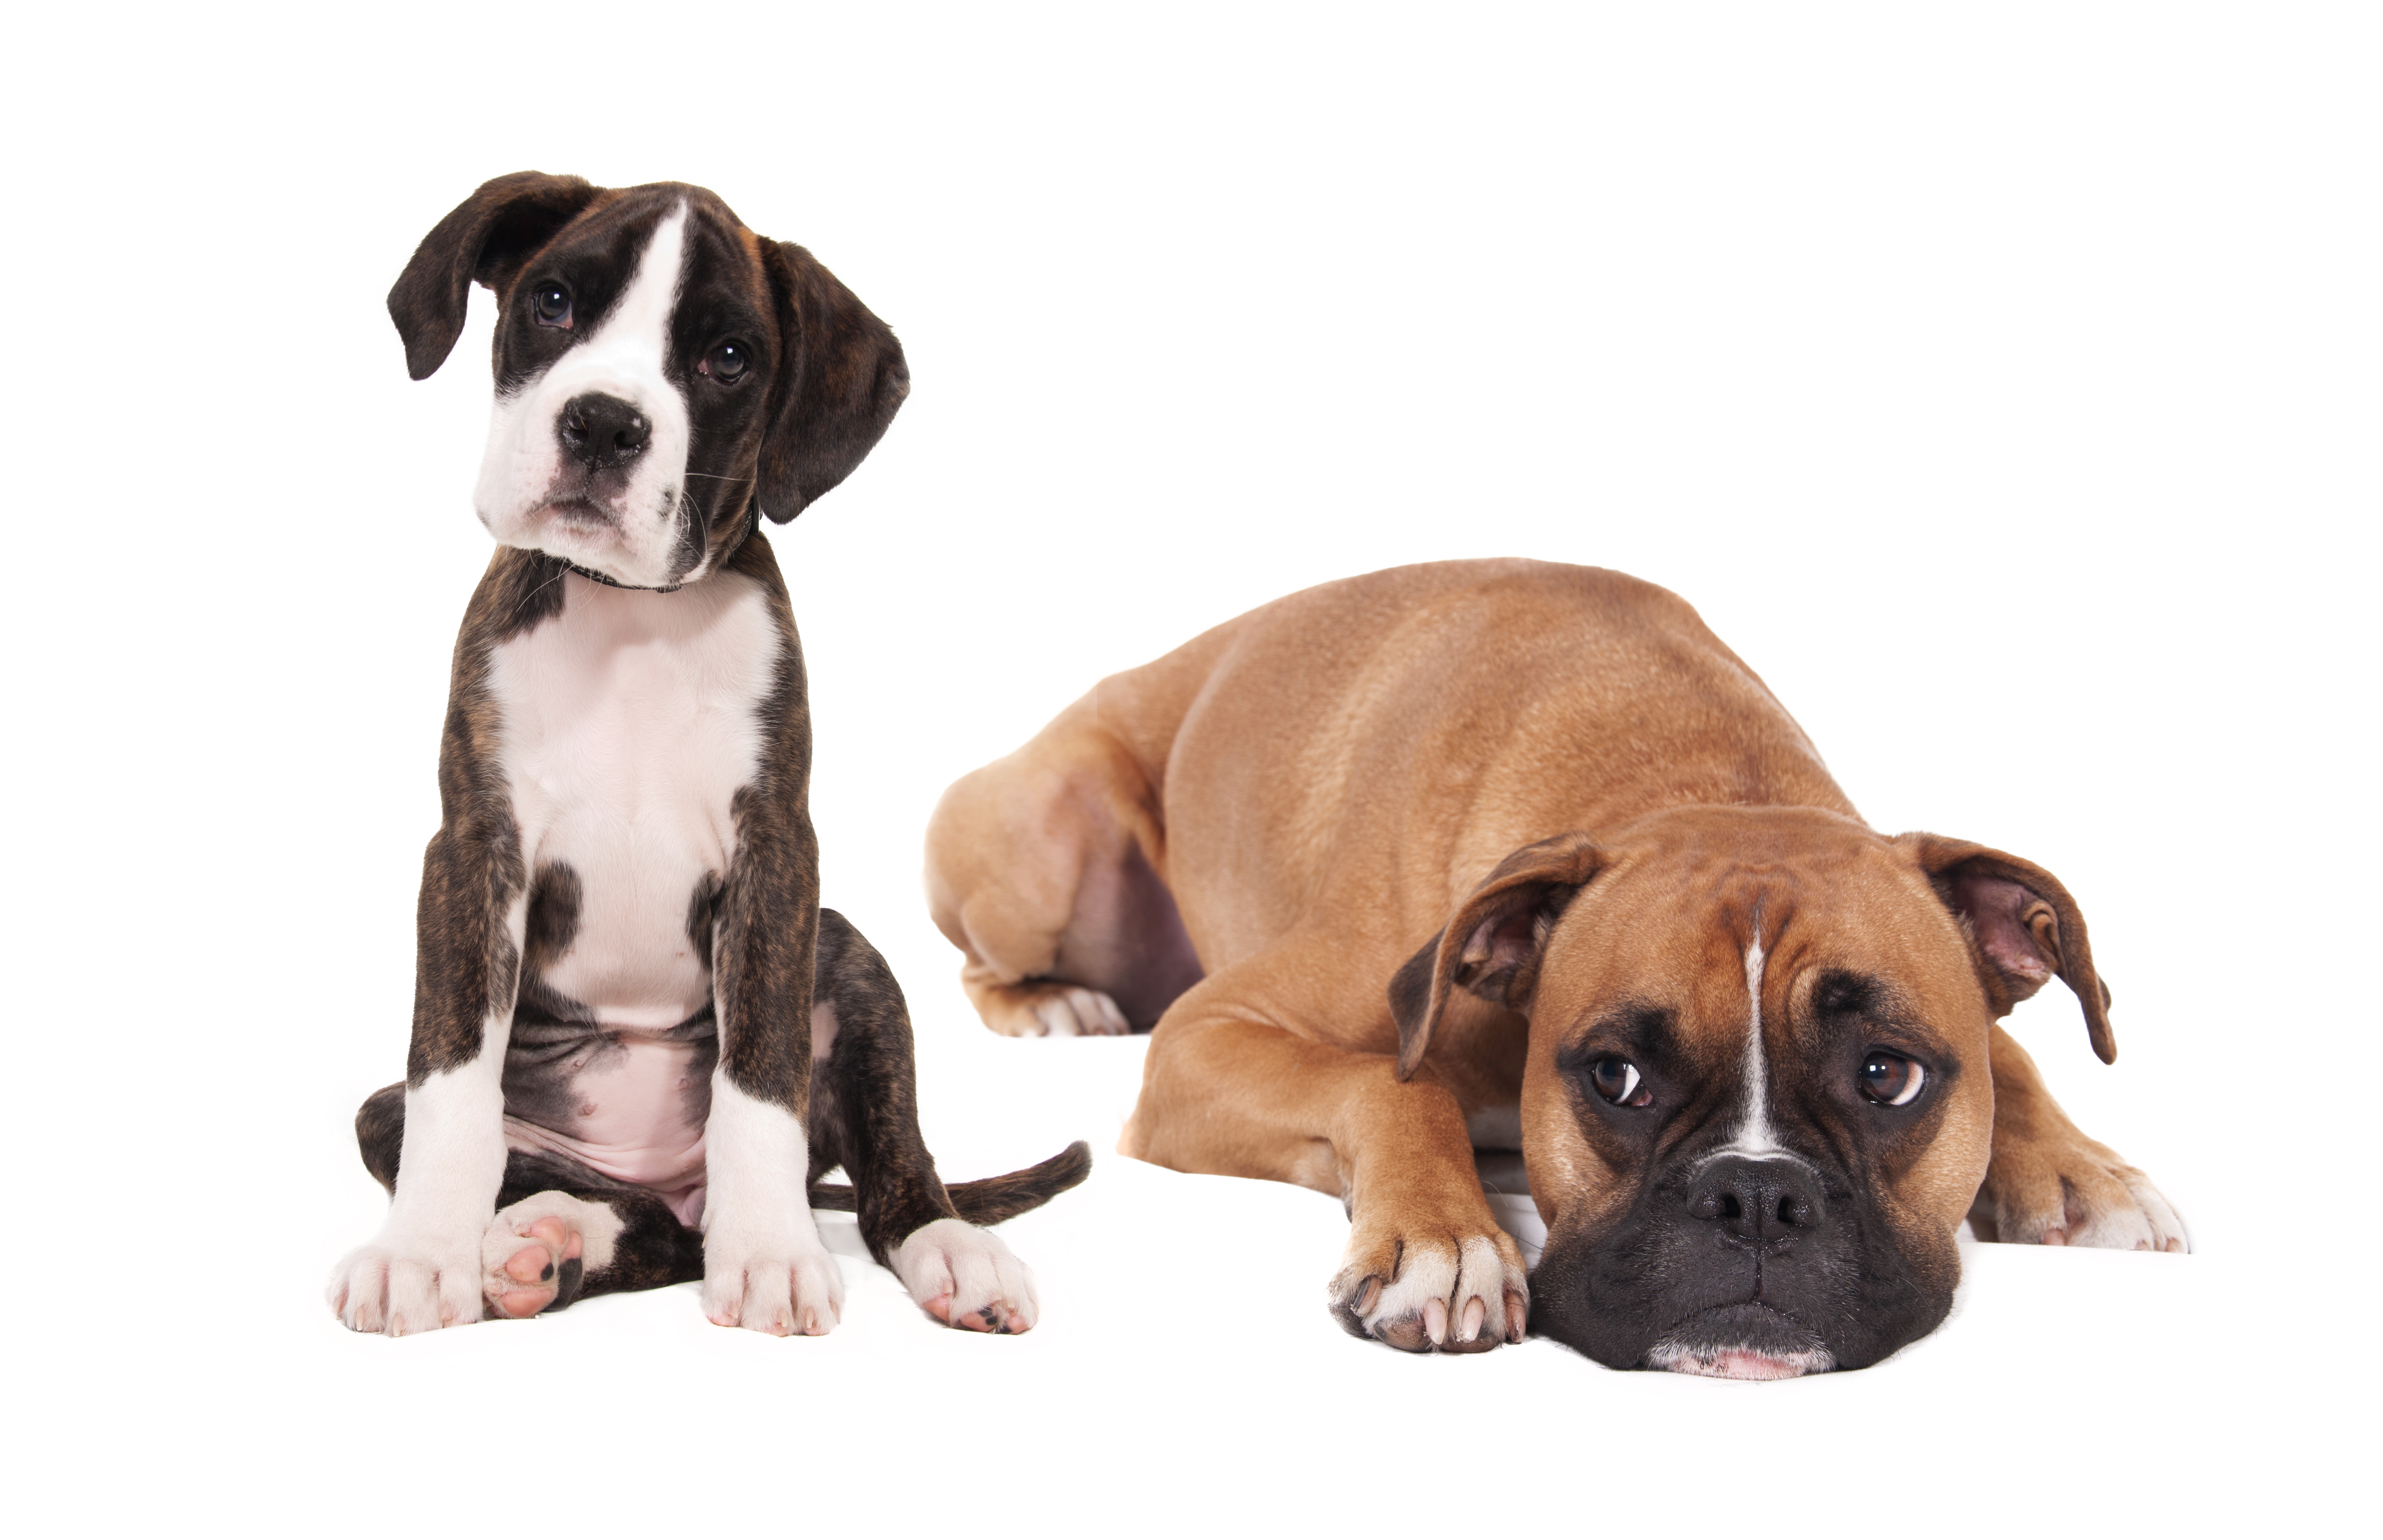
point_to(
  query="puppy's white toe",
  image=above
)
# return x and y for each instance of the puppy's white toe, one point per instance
(404, 1283)
(967, 1277)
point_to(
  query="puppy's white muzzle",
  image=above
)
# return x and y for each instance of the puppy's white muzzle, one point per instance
(554, 481)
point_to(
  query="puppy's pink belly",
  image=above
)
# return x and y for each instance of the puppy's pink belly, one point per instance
(632, 1109)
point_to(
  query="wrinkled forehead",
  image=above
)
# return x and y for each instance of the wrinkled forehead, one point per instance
(1707, 929)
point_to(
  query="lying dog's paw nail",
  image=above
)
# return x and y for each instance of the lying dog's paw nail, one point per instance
(1368, 1297)
(1474, 1314)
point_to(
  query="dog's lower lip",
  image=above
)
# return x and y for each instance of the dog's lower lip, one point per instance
(1741, 1342)
(577, 511)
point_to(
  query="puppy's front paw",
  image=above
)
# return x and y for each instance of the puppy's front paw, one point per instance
(966, 1278)
(403, 1283)
(2074, 1192)
(1433, 1289)
(788, 1286)
(1042, 1008)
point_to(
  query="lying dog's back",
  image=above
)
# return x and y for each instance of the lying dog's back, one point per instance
(1362, 750)
(1364, 746)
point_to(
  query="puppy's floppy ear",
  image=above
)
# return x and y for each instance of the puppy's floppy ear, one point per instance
(1492, 945)
(2023, 928)
(488, 237)
(841, 378)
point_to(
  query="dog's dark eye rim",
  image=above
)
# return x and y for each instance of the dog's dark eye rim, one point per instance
(1617, 1082)
(728, 361)
(1890, 1079)
(550, 303)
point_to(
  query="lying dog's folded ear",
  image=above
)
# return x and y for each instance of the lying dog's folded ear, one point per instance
(488, 237)
(2023, 928)
(1492, 945)
(841, 378)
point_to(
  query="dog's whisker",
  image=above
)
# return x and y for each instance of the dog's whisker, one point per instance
(542, 587)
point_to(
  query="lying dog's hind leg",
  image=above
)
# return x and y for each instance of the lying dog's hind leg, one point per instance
(864, 1116)
(2049, 1185)
(561, 1232)
(1040, 868)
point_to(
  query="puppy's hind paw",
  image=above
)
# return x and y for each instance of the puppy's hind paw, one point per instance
(967, 1277)
(536, 1253)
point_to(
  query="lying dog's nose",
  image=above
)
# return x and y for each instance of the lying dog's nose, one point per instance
(1757, 1201)
(602, 431)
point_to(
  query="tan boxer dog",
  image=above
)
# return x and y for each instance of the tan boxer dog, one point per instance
(1488, 852)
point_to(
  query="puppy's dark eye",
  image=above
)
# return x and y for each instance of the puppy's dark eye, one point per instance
(1618, 1081)
(552, 303)
(728, 361)
(1890, 1079)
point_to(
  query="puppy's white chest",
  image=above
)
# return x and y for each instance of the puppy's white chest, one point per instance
(631, 720)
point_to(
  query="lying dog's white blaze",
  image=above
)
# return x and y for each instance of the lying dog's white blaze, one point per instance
(423, 1270)
(764, 1266)
(525, 471)
(631, 722)
(1754, 1136)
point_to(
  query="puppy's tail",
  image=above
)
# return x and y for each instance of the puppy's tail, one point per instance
(996, 1198)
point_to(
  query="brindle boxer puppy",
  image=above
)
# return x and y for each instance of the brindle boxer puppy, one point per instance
(638, 1039)
(1504, 852)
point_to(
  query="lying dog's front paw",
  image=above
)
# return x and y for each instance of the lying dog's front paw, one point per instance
(966, 1278)
(1039, 1008)
(1433, 1293)
(402, 1284)
(2074, 1192)
(790, 1286)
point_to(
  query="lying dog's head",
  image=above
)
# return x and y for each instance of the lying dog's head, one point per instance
(662, 372)
(1757, 1105)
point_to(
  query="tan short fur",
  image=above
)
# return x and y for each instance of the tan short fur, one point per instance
(1572, 797)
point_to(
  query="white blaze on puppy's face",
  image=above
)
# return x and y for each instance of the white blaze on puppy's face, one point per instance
(624, 520)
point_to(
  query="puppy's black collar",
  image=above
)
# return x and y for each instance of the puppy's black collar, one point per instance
(616, 583)
(752, 523)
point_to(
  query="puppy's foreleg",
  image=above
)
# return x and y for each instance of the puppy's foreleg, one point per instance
(423, 1269)
(763, 1265)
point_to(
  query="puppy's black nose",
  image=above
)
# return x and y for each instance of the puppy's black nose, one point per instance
(1757, 1201)
(602, 431)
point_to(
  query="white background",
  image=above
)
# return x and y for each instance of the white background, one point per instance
(2002, 386)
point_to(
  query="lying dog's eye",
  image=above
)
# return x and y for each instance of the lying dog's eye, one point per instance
(552, 303)
(1617, 1081)
(1890, 1079)
(727, 362)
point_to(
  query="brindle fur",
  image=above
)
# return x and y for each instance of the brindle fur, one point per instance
(491, 931)
(864, 1118)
